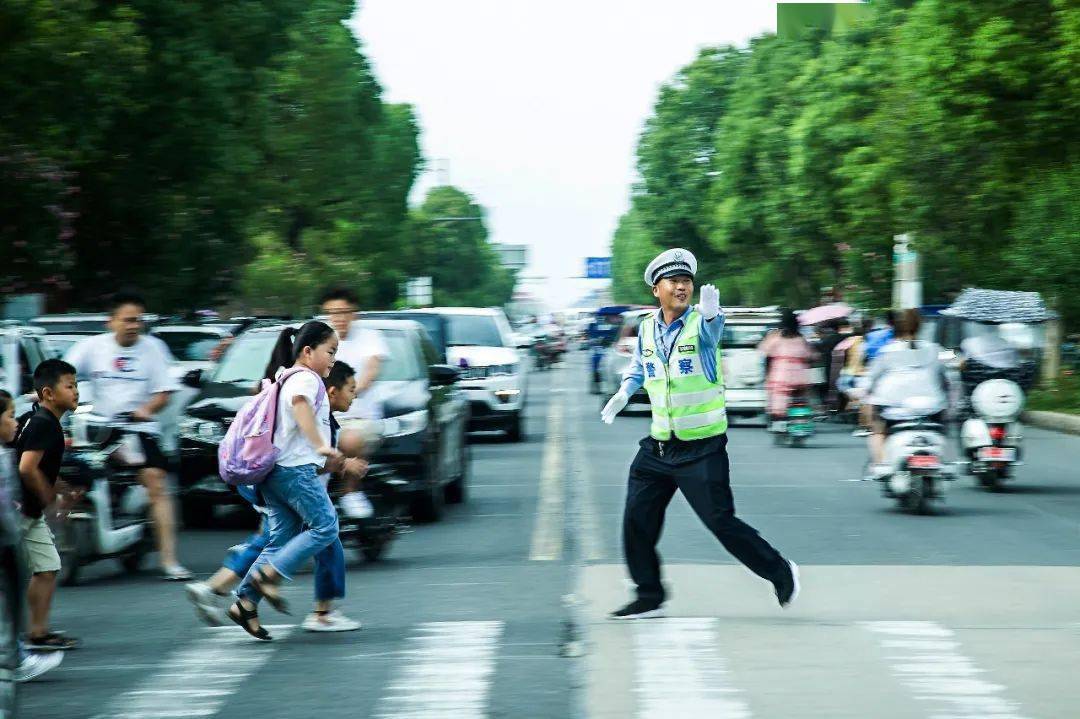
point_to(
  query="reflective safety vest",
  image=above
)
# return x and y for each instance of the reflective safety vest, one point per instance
(683, 399)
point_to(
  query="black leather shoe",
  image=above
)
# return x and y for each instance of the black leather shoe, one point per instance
(639, 609)
(787, 587)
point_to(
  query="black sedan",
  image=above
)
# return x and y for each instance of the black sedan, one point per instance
(423, 429)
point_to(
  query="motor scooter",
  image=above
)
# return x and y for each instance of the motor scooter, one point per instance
(798, 425)
(373, 535)
(914, 473)
(991, 439)
(110, 519)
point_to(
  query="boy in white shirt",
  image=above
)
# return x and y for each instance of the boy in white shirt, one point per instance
(128, 373)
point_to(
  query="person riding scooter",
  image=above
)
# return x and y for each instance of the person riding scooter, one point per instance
(788, 357)
(905, 368)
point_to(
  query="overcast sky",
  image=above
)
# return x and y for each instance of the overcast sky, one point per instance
(534, 106)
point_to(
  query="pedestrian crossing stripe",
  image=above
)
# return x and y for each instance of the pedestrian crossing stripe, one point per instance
(670, 668)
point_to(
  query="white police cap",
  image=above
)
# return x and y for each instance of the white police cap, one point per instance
(675, 261)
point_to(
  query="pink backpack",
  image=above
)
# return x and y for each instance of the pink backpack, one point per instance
(247, 454)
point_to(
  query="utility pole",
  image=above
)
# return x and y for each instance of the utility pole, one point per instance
(907, 287)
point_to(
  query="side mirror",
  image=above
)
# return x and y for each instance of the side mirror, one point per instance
(193, 379)
(443, 375)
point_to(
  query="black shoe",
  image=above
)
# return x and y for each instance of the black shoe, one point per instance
(639, 609)
(787, 587)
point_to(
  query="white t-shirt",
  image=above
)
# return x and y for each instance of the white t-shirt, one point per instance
(123, 379)
(357, 351)
(290, 441)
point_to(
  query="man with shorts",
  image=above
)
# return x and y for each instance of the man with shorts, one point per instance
(129, 375)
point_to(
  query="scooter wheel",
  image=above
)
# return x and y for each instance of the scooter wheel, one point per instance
(374, 551)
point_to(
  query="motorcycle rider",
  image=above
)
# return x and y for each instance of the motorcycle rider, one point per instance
(905, 368)
(128, 373)
(788, 357)
(987, 355)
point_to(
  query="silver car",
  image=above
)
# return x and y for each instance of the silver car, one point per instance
(617, 357)
(744, 366)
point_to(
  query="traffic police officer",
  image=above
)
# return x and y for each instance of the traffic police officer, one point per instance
(677, 361)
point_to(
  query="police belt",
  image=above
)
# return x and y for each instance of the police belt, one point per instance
(677, 451)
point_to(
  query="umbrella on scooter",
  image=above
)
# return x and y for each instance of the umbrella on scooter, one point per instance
(999, 307)
(824, 313)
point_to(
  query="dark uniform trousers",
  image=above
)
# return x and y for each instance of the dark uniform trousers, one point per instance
(700, 470)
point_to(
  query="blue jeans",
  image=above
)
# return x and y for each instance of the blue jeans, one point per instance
(295, 498)
(329, 564)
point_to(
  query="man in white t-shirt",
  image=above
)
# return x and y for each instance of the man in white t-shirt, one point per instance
(364, 350)
(128, 373)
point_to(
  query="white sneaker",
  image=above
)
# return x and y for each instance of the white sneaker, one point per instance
(861, 432)
(356, 505)
(176, 573)
(208, 605)
(333, 621)
(37, 664)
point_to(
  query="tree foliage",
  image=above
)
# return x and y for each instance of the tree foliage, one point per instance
(198, 149)
(449, 243)
(955, 120)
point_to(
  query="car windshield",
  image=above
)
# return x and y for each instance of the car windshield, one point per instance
(247, 358)
(190, 346)
(402, 362)
(60, 345)
(74, 326)
(475, 330)
(743, 335)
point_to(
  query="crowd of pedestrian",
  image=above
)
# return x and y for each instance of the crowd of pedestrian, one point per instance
(327, 420)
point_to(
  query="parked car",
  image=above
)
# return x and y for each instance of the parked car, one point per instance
(192, 346)
(479, 342)
(22, 349)
(424, 425)
(81, 323)
(616, 358)
(744, 366)
(60, 344)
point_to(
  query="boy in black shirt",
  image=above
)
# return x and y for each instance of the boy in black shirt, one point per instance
(40, 448)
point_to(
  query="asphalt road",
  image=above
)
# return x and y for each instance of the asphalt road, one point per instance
(497, 611)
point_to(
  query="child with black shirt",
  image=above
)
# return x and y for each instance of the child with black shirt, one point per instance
(40, 449)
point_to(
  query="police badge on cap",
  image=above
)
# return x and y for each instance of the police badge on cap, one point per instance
(671, 263)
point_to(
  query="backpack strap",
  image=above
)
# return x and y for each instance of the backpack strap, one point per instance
(320, 393)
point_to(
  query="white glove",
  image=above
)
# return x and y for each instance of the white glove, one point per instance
(709, 306)
(614, 405)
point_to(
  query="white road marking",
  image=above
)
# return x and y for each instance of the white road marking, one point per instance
(445, 672)
(190, 682)
(547, 538)
(927, 660)
(587, 533)
(680, 675)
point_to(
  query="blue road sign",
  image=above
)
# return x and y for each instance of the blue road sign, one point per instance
(598, 268)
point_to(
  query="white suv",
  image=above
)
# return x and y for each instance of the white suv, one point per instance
(480, 343)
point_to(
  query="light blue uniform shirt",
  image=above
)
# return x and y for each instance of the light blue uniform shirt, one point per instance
(711, 332)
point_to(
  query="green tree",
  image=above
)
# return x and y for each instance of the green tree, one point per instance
(449, 243)
(631, 252)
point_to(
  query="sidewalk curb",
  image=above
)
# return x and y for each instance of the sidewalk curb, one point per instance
(1056, 421)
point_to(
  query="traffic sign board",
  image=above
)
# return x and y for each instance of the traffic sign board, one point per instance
(598, 268)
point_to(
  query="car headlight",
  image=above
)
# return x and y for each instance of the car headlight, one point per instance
(202, 430)
(408, 423)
